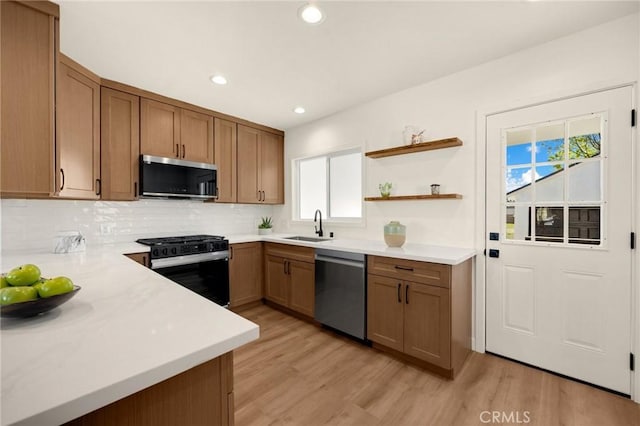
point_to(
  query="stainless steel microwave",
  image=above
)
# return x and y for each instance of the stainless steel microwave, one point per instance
(173, 178)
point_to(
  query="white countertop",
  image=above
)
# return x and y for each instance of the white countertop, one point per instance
(410, 251)
(126, 329)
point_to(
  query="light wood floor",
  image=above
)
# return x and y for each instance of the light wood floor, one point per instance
(299, 374)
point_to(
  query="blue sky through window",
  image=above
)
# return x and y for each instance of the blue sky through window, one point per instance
(520, 154)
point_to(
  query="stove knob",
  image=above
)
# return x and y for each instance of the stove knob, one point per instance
(164, 251)
(174, 250)
(155, 252)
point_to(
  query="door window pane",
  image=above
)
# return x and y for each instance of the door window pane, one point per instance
(585, 181)
(584, 225)
(550, 143)
(584, 138)
(518, 147)
(345, 189)
(550, 183)
(549, 224)
(517, 222)
(518, 184)
(312, 186)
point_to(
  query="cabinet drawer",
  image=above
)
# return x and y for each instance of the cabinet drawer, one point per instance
(304, 254)
(411, 270)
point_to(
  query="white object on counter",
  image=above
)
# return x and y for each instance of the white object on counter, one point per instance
(69, 242)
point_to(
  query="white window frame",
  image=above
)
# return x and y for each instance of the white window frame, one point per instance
(565, 204)
(326, 210)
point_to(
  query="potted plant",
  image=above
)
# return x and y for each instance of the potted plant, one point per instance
(265, 226)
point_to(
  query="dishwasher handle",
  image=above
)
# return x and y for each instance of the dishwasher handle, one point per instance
(321, 258)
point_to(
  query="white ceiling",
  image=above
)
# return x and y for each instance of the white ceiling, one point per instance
(274, 62)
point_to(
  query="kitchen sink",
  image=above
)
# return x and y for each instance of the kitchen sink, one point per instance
(309, 239)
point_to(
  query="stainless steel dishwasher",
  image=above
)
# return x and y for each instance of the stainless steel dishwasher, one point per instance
(341, 297)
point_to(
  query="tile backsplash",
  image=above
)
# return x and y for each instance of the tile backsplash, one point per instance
(32, 224)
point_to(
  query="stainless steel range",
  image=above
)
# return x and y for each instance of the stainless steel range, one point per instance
(197, 262)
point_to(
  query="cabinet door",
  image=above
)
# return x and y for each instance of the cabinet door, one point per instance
(248, 152)
(78, 134)
(159, 129)
(302, 286)
(27, 66)
(196, 136)
(245, 273)
(225, 158)
(385, 303)
(427, 324)
(120, 144)
(275, 280)
(271, 168)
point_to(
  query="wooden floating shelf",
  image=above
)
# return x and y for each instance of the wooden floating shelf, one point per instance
(418, 147)
(416, 197)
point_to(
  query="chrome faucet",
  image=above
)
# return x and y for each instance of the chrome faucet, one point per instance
(315, 219)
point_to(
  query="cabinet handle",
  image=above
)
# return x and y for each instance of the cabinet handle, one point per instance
(406, 294)
(144, 260)
(258, 195)
(404, 268)
(230, 253)
(184, 151)
(178, 150)
(399, 299)
(284, 267)
(264, 196)
(135, 189)
(62, 173)
(98, 187)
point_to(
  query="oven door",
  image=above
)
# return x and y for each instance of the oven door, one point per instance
(206, 274)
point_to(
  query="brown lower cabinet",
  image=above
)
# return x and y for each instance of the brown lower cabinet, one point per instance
(245, 274)
(290, 277)
(421, 310)
(202, 395)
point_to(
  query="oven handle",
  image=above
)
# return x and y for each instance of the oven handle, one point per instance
(189, 259)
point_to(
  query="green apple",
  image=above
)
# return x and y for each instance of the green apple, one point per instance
(54, 287)
(23, 275)
(10, 295)
(3, 281)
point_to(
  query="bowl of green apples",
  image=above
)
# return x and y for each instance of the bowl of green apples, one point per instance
(25, 293)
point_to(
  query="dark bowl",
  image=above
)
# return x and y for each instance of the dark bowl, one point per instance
(35, 307)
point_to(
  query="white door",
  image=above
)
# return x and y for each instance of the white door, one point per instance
(559, 215)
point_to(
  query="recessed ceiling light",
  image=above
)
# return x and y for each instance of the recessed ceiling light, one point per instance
(218, 79)
(299, 110)
(311, 14)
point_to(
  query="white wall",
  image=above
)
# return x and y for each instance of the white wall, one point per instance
(32, 224)
(595, 58)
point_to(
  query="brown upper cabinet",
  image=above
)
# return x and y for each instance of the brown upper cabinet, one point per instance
(225, 158)
(78, 131)
(28, 46)
(171, 131)
(120, 144)
(260, 166)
